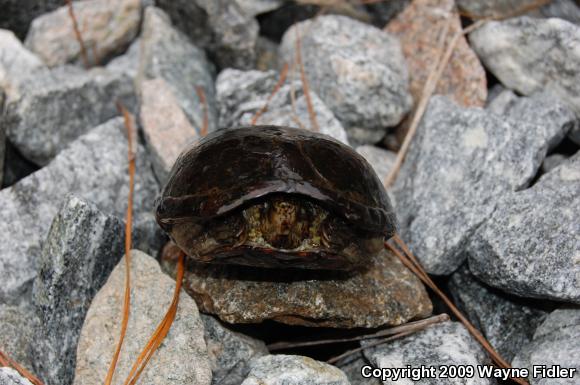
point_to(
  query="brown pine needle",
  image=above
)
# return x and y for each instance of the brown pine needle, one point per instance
(161, 331)
(96, 53)
(428, 89)
(294, 116)
(6, 361)
(412, 263)
(305, 85)
(435, 75)
(128, 234)
(410, 326)
(203, 101)
(372, 345)
(78, 35)
(277, 87)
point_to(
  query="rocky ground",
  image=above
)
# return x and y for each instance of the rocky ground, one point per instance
(488, 197)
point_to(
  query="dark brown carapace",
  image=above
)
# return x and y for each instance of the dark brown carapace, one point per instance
(275, 197)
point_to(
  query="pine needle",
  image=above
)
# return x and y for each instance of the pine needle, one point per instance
(161, 331)
(434, 75)
(128, 234)
(305, 85)
(408, 327)
(277, 87)
(295, 117)
(6, 361)
(78, 35)
(203, 101)
(372, 345)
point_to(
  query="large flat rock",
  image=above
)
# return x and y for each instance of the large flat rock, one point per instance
(385, 294)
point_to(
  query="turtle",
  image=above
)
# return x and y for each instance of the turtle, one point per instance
(275, 197)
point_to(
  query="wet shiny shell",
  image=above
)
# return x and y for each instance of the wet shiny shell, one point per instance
(229, 168)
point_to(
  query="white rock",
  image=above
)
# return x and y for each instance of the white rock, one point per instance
(529, 55)
(293, 370)
(182, 357)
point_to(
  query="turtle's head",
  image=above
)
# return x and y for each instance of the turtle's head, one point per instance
(283, 223)
(282, 216)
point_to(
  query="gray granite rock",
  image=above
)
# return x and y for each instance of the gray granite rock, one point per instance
(553, 161)
(229, 352)
(128, 62)
(358, 70)
(382, 160)
(540, 108)
(506, 321)
(479, 8)
(563, 9)
(242, 94)
(266, 54)
(182, 357)
(293, 370)
(168, 54)
(9, 376)
(15, 61)
(234, 34)
(352, 365)
(529, 245)
(502, 100)
(147, 235)
(447, 343)
(82, 248)
(107, 27)
(51, 108)
(257, 7)
(18, 324)
(530, 55)
(220, 26)
(495, 90)
(18, 14)
(461, 162)
(190, 18)
(574, 134)
(16, 167)
(2, 146)
(93, 167)
(555, 343)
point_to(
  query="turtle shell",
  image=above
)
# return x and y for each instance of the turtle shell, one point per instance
(229, 168)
